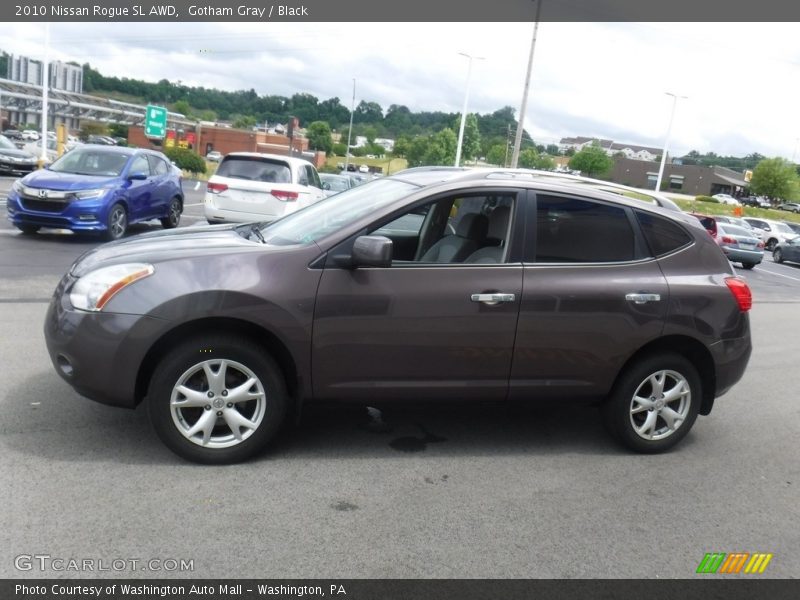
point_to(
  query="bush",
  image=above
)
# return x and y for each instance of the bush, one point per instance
(706, 199)
(186, 159)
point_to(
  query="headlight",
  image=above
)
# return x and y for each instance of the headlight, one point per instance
(94, 290)
(89, 194)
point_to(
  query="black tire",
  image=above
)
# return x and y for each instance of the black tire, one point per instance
(748, 266)
(28, 229)
(771, 243)
(117, 223)
(173, 218)
(777, 255)
(185, 365)
(618, 410)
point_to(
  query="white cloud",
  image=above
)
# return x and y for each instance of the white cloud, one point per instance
(588, 78)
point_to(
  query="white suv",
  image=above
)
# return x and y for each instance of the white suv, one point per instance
(775, 232)
(260, 187)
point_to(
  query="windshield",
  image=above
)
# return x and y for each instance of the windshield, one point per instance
(318, 220)
(783, 228)
(6, 143)
(337, 184)
(91, 161)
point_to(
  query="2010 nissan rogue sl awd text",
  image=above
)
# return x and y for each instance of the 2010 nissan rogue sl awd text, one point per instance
(433, 284)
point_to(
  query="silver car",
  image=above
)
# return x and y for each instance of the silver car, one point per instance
(740, 245)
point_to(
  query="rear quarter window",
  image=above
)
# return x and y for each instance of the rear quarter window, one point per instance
(663, 235)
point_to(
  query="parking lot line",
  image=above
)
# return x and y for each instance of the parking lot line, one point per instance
(761, 269)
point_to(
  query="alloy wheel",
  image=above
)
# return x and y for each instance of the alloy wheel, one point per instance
(660, 405)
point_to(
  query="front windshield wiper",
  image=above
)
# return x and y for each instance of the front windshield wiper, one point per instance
(254, 230)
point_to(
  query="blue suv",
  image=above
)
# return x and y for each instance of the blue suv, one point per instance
(98, 189)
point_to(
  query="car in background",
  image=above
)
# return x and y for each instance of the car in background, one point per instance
(740, 245)
(787, 251)
(790, 206)
(542, 291)
(333, 184)
(363, 169)
(775, 232)
(95, 189)
(15, 160)
(793, 226)
(707, 221)
(726, 199)
(13, 134)
(101, 140)
(214, 156)
(756, 201)
(740, 222)
(30, 135)
(250, 186)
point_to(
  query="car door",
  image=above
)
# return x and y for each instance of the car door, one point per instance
(592, 296)
(163, 188)
(417, 329)
(140, 191)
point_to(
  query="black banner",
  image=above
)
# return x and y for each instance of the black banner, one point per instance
(401, 589)
(407, 10)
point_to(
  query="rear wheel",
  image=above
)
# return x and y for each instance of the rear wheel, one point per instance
(173, 217)
(654, 403)
(771, 243)
(28, 229)
(117, 223)
(777, 255)
(748, 265)
(217, 399)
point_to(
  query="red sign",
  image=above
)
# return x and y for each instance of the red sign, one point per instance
(190, 137)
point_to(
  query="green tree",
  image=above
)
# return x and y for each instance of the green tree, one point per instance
(496, 155)
(593, 161)
(774, 178)
(528, 158)
(182, 106)
(545, 163)
(186, 159)
(471, 144)
(319, 136)
(339, 149)
(441, 148)
(243, 121)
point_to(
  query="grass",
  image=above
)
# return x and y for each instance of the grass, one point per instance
(712, 208)
(389, 165)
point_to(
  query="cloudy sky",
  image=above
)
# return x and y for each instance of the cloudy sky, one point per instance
(606, 80)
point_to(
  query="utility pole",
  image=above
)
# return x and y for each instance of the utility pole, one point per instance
(666, 141)
(523, 107)
(350, 129)
(45, 89)
(508, 145)
(464, 110)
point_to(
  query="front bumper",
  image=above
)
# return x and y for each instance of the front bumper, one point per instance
(84, 216)
(99, 354)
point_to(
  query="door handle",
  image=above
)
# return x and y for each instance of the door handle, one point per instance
(496, 298)
(642, 298)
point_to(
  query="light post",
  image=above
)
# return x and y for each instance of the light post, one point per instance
(464, 110)
(350, 129)
(666, 141)
(523, 108)
(45, 89)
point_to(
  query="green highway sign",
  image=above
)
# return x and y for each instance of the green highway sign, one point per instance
(155, 121)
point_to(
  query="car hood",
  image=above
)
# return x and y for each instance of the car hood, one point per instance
(16, 153)
(167, 245)
(53, 180)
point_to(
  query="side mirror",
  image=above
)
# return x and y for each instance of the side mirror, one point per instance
(372, 251)
(326, 186)
(138, 176)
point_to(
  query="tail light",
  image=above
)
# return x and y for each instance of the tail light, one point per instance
(760, 245)
(285, 195)
(728, 240)
(216, 188)
(741, 292)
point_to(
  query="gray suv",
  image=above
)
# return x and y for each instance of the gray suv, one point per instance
(433, 284)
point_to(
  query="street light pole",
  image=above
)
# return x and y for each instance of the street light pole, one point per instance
(666, 141)
(464, 110)
(350, 129)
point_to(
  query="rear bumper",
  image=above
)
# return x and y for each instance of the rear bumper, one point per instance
(730, 361)
(748, 256)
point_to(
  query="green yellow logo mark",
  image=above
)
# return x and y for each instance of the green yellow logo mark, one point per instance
(735, 562)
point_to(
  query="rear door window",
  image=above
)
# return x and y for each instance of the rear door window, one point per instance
(254, 168)
(662, 235)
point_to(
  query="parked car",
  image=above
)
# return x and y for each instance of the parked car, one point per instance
(709, 222)
(333, 184)
(775, 231)
(96, 189)
(726, 199)
(541, 290)
(260, 187)
(30, 135)
(787, 251)
(12, 134)
(214, 156)
(740, 222)
(14, 160)
(102, 140)
(740, 245)
(793, 226)
(790, 206)
(363, 169)
(756, 201)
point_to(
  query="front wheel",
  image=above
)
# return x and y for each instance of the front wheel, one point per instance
(777, 255)
(654, 403)
(28, 229)
(771, 244)
(117, 223)
(173, 217)
(217, 399)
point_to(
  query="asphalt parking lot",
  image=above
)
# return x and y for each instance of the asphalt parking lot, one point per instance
(430, 492)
